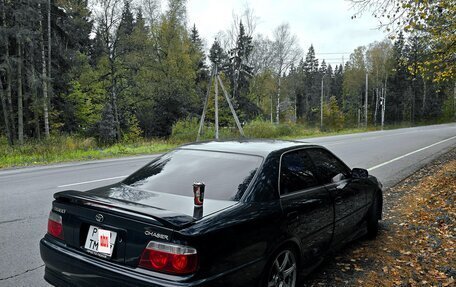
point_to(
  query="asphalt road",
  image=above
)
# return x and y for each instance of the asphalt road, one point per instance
(26, 193)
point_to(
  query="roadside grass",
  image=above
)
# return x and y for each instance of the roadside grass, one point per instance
(65, 148)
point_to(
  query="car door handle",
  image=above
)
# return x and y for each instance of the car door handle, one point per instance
(311, 202)
(338, 200)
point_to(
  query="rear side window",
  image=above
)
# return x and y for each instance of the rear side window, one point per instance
(225, 175)
(296, 172)
(329, 168)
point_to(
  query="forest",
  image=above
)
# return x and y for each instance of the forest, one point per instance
(122, 70)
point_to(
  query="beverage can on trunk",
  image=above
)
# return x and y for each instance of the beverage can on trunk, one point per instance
(198, 193)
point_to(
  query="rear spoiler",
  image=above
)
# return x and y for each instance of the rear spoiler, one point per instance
(152, 215)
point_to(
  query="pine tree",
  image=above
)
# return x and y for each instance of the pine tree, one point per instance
(337, 84)
(125, 30)
(199, 63)
(397, 83)
(240, 73)
(107, 126)
(312, 85)
(218, 56)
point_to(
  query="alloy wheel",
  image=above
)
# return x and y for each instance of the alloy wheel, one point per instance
(283, 270)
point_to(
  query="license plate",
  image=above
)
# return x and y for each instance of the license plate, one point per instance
(100, 241)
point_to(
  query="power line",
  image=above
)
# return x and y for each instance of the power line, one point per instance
(333, 53)
(331, 59)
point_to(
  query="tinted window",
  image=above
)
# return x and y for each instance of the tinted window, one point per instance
(296, 172)
(328, 167)
(226, 176)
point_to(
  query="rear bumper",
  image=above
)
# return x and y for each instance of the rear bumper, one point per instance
(66, 267)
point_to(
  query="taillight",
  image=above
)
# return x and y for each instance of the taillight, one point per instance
(55, 227)
(169, 258)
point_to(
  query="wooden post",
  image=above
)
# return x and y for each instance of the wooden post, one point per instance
(321, 103)
(236, 119)
(365, 101)
(206, 102)
(216, 107)
(454, 101)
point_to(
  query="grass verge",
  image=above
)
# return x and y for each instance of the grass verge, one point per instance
(67, 149)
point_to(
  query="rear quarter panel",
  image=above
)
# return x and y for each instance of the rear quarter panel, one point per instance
(235, 242)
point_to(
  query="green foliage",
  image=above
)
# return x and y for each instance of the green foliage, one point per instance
(66, 148)
(449, 109)
(263, 87)
(141, 78)
(260, 129)
(265, 129)
(432, 19)
(217, 55)
(186, 131)
(83, 110)
(134, 132)
(333, 118)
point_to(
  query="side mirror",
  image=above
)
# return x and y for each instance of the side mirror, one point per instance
(360, 173)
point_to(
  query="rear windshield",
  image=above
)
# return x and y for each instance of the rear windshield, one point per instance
(225, 175)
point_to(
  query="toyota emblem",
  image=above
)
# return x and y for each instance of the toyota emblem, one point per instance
(99, 217)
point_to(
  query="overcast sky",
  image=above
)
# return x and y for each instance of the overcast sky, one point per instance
(326, 24)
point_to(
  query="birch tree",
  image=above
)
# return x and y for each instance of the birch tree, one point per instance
(47, 79)
(286, 52)
(44, 78)
(108, 19)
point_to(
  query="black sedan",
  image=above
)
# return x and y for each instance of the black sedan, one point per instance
(233, 213)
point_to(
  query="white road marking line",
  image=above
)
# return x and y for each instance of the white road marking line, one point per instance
(91, 181)
(358, 139)
(410, 153)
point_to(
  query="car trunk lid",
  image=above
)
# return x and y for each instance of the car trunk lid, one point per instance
(169, 210)
(136, 216)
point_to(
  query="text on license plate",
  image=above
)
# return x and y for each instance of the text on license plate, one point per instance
(100, 241)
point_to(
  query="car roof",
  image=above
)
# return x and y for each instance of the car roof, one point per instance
(260, 147)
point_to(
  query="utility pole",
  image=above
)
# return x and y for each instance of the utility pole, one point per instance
(215, 77)
(278, 100)
(454, 101)
(359, 117)
(376, 106)
(206, 102)
(216, 106)
(365, 101)
(321, 104)
(383, 102)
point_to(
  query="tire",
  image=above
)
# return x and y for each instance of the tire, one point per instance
(281, 270)
(372, 219)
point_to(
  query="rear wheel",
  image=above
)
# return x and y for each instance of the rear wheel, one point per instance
(372, 218)
(282, 270)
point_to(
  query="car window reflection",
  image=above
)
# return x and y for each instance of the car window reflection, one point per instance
(226, 176)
